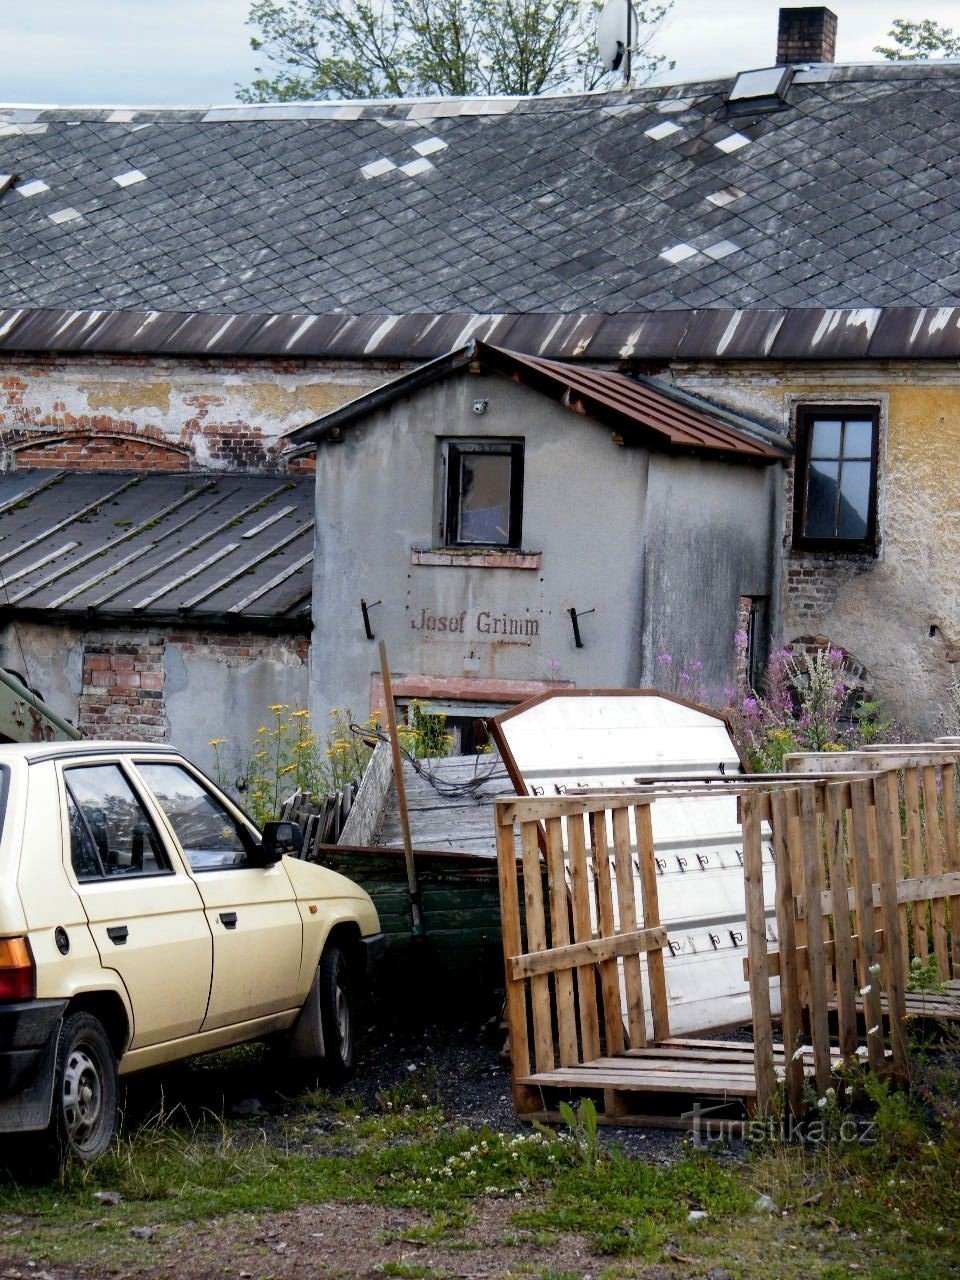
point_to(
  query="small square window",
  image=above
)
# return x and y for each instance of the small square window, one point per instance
(483, 493)
(835, 484)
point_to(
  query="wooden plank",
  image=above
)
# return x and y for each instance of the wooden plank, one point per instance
(525, 808)
(609, 974)
(583, 932)
(775, 958)
(795, 850)
(560, 940)
(890, 857)
(842, 945)
(515, 1002)
(536, 941)
(650, 898)
(560, 960)
(645, 1082)
(914, 834)
(909, 889)
(861, 797)
(757, 951)
(951, 856)
(938, 908)
(627, 910)
(812, 852)
(790, 1006)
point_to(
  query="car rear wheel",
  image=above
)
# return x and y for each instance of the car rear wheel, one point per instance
(84, 1117)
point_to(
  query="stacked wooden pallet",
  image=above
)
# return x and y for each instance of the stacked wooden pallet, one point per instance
(867, 887)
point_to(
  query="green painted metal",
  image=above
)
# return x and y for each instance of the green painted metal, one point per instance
(24, 717)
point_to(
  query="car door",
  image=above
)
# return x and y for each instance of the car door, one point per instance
(252, 910)
(144, 910)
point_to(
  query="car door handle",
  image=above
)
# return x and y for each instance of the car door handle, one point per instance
(118, 934)
(228, 919)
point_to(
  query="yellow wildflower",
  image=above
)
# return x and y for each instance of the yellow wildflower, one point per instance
(217, 742)
(277, 707)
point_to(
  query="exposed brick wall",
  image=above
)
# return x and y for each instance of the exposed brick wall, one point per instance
(82, 450)
(146, 412)
(122, 695)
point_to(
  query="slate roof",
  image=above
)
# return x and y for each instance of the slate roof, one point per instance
(642, 409)
(637, 205)
(203, 549)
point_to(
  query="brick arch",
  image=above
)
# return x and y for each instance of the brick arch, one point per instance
(859, 675)
(81, 448)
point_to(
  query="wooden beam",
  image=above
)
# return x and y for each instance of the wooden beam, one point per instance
(576, 954)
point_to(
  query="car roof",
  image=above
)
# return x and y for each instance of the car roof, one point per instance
(33, 752)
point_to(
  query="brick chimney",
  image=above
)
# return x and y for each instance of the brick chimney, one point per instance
(807, 34)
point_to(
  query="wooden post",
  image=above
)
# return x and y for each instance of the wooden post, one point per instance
(583, 932)
(911, 800)
(890, 857)
(812, 854)
(757, 953)
(656, 974)
(790, 1007)
(560, 937)
(627, 911)
(412, 887)
(938, 908)
(609, 976)
(951, 856)
(834, 811)
(861, 794)
(536, 941)
(516, 1003)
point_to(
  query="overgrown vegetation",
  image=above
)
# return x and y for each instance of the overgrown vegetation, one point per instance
(287, 755)
(805, 704)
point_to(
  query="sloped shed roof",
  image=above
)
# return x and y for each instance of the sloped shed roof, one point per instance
(185, 548)
(822, 228)
(644, 410)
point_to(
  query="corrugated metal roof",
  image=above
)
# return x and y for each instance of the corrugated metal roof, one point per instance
(644, 410)
(204, 548)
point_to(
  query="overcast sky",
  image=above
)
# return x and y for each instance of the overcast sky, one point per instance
(165, 52)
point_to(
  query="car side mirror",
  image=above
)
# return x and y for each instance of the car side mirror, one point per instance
(279, 838)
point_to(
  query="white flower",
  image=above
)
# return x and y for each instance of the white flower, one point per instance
(874, 969)
(865, 991)
(862, 1051)
(821, 1102)
(798, 1054)
(874, 1031)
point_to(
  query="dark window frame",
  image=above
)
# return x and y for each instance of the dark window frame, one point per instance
(109, 874)
(806, 416)
(456, 448)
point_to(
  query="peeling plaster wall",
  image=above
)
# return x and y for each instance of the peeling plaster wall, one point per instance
(177, 686)
(881, 609)
(148, 412)
(660, 548)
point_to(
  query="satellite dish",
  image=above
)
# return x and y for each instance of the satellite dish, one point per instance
(615, 27)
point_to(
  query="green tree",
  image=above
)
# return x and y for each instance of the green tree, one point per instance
(401, 48)
(923, 39)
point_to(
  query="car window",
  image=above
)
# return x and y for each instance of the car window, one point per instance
(110, 832)
(211, 837)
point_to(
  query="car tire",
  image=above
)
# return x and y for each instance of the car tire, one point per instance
(335, 991)
(84, 1118)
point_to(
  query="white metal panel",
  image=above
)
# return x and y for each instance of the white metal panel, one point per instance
(567, 742)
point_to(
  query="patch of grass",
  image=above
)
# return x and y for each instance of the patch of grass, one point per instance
(888, 1208)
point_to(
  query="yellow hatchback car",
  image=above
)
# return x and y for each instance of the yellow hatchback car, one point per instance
(144, 918)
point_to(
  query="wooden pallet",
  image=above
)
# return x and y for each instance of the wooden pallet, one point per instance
(664, 1080)
(579, 1002)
